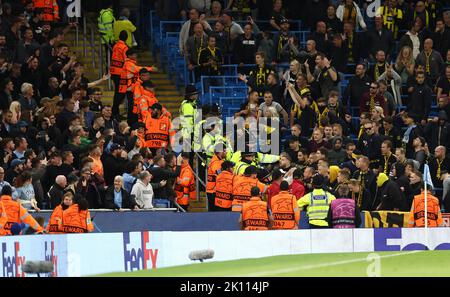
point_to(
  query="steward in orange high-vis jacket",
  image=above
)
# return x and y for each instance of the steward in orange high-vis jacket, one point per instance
(16, 213)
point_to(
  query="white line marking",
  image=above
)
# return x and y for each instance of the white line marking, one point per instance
(308, 267)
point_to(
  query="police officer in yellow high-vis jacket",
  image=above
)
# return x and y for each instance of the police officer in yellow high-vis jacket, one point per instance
(317, 203)
(255, 159)
(188, 113)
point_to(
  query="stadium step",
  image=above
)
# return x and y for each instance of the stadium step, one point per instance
(198, 205)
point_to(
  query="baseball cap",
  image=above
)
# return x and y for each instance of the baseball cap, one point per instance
(115, 146)
(16, 162)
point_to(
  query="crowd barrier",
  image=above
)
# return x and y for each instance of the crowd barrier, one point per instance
(160, 220)
(97, 253)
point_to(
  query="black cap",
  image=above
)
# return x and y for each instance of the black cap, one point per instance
(284, 21)
(190, 90)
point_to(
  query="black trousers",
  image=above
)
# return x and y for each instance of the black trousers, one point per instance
(211, 205)
(131, 117)
(118, 97)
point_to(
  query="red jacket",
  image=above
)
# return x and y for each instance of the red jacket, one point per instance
(274, 189)
(297, 189)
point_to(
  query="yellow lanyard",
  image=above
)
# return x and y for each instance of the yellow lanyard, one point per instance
(361, 131)
(372, 103)
(427, 63)
(439, 163)
(377, 71)
(261, 77)
(350, 48)
(386, 163)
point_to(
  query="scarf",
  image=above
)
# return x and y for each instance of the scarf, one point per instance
(407, 134)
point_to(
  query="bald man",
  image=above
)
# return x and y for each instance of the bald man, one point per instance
(434, 64)
(56, 192)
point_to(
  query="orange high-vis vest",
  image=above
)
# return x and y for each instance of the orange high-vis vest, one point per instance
(224, 190)
(54, 225)
(417, 214)
(285, 212)
(214, 168)
(185, 185)
(158, 132)
(119, 55)
(129, 75)
(242, 186)
(142, 105)
(76, 220)
(254, 215)
(3, 217)
(50, 8)
(16, 213)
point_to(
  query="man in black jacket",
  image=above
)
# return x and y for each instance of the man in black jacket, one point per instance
(358, 85)
(160, 173)
(379, 38)
(117, 197)
(246, 46)
(437, 131)
(365, 176)
(114, 163)
(56, 192)
(420, 99)
(389, 196)
(391, 132)
(369, 144)
(64, 118)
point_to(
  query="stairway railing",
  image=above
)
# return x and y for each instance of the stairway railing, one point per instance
(96, 51)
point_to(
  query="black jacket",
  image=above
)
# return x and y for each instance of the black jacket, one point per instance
(370, 183)
(376, 42)
(370, 146)
(355, 89)
(91, 192)
(245, 49)
(420, 101)
(63, 119)
(390, 196)
(160, 174)
(127, 200)
(445, 168)
(436, 135)
(112, 166)
(55, 195)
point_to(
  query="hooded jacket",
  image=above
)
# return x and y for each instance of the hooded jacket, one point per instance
(389, 194)
(143, 194)
(404, 184)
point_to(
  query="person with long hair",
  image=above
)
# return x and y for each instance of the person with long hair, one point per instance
(16, 110)
(25, 190)
(404, 65)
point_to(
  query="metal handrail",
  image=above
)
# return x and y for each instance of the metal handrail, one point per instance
(96, 50)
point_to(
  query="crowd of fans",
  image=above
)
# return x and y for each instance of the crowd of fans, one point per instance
(371, 137)
(365, 98)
